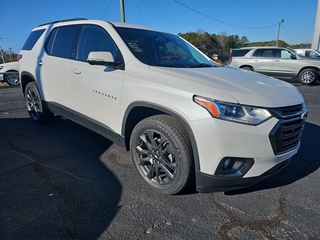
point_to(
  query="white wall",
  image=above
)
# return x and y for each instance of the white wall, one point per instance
(316, 33)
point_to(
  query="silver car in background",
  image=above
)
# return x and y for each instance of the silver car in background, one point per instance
(278, 62)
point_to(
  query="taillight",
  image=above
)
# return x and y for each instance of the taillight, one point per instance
(230, 59)
(19, 56)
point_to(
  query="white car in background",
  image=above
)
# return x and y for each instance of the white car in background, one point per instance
(309, 53)
(9, 73)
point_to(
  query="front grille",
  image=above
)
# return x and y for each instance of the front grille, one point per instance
(286, 135)
(287, 112)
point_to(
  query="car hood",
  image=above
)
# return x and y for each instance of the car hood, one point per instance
(10, 66)
(232, 85)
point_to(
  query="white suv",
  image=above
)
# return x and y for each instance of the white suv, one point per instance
(154, 94)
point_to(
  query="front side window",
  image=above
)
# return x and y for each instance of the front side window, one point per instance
(95, 38)
(62, 41)
(162, 49)
(283, 53)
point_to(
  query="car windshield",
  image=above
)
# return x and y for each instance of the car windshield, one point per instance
(162, 49)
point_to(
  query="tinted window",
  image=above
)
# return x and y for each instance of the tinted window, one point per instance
(94, 38)
(240, 52)
(49, 44)
(268, 53)
(62, 41)
(32, 39)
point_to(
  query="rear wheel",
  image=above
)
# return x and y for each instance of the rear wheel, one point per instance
(161, 153)
(36, 109)
(308, 76)
(12, 78)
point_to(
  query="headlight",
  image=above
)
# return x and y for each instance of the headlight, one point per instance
(233, 112)
(1, 67)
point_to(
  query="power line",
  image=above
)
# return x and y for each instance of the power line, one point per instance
(139, 11)
(293, 34)
(146, 11)
(106, 9)
(217, 20)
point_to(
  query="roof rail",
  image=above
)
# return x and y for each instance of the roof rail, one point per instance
(64, 20)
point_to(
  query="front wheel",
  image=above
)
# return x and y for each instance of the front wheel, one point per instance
(308, 76)
(161, 152)
(36, 109)
(12, 78)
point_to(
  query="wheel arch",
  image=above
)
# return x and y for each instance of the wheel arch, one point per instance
(11, 70)
(25, 78)
(317, 69)
(247, 65)
(138, 111)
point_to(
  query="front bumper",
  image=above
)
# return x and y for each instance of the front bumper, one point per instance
(255, 152)
(207, 183)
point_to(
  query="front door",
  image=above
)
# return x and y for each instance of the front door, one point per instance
(95, 91)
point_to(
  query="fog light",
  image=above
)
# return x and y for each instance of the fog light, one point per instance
(234, 167)
(228, 164)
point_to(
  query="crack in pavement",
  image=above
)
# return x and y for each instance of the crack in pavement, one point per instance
(37, 161)
(257, 225)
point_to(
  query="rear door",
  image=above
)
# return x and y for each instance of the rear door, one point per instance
(262, 60)
(54, 64)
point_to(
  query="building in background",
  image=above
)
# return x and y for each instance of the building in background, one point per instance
(316, 33)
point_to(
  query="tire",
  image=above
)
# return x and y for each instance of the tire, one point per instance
(308, 76)
(161, 152)
(12, 78)
(37, 111)
(247, 68)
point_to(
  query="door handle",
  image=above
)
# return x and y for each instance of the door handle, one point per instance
(76, 71)
(40, 62)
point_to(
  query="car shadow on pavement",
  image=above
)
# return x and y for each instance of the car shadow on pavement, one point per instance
(53, 184)
(305, 162)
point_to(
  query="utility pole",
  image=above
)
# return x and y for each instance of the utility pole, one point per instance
(282, 21)
(123, 17)
(1, 53)
(10, 54)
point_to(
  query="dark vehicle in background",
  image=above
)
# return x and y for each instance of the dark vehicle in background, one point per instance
(278, 62)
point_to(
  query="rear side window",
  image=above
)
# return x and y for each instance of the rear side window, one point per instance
(62, 41)
(267, 53)
(32, 39)
(240, 52)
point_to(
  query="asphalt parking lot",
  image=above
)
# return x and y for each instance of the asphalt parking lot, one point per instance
(63, 181)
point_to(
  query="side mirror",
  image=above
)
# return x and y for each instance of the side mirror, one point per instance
(293, 56)
(103, 58)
